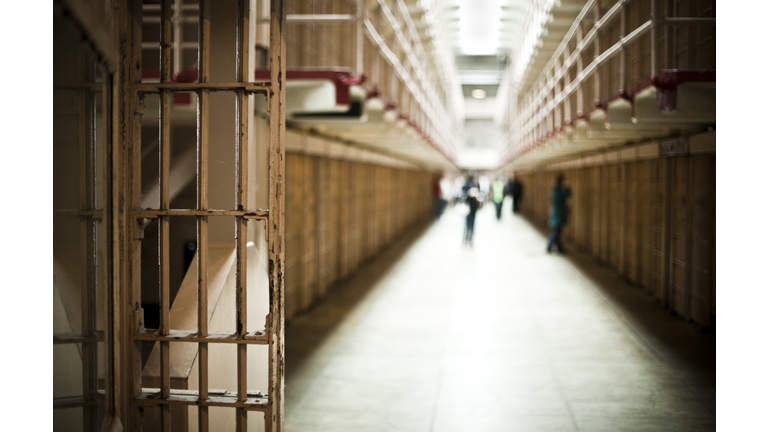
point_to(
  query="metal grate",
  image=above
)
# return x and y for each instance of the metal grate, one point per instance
(82, 229)
(172, 16)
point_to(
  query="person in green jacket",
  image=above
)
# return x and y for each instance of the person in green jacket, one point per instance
(557, 212)
(498, 193)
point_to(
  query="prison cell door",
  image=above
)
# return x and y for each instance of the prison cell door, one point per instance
(202, 169)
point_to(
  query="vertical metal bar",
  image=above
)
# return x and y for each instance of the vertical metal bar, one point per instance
(623, 53)
(128, 233)
(177, 32)
(241, 197)
(86, 259)
(596, 74)
(92, 249)
(579, 68)
(106, 203)
(359, 38)
(203, 67)
(567, 82)
(654, 37)
(164, 222)
(276, 216)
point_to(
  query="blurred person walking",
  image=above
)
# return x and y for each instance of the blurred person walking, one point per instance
(558, 212)
(516, 191)
(438, 196)
(473, 202)
(497, 193)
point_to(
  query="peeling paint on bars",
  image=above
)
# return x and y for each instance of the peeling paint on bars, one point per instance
(243, 400)
(203, 67)
(241, 203)
(276, 320)
(164, 222)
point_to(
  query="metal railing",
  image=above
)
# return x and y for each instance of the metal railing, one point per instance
(558, 96)
(425, 94)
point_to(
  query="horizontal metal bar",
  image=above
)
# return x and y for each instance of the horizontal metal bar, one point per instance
(69, 338)
(687, 21)
(253, 338)
(95, 87)
(319, 18)
(182, 18)
(156, 7)
(72, 402)
(260, 87)
(182, 45)
(153, 214)
(93, 214)
(314, 19)
(256, 401)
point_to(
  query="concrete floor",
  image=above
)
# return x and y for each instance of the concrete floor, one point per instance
(438, 336)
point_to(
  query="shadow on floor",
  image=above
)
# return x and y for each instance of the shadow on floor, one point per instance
(674, 339)
(309, 335)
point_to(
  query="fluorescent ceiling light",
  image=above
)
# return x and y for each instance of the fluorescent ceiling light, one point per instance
(478, 93)
(479, 22)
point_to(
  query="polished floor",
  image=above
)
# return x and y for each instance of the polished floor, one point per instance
(437, 336)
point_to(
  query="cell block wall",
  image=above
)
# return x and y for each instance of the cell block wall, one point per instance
(339, 215)
(652, 221)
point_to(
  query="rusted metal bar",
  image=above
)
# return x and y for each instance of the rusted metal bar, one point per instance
(275, 319)
(251, 338)
(90, 264)
(88, 214)
(156, 7)
(75, 338)
(169, 87)
(203, 120)
(256, 401)
(164, 222)
(154, 214)
(241, 203)
(128, 232)
(73, 402)
(181, 45)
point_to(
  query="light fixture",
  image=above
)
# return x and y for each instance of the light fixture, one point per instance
(478, 94)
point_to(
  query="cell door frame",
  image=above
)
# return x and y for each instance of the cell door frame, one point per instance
(130, 217)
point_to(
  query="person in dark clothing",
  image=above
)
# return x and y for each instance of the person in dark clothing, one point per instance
(437, 196)
(515, 190)
(557, 212)
(474, 203)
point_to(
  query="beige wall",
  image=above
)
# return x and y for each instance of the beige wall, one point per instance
(339, 215)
